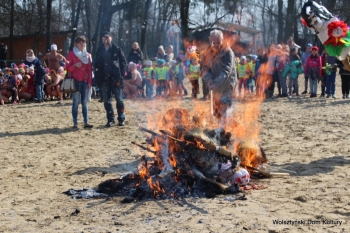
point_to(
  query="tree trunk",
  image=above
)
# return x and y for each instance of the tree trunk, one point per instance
(153, 34)
(280, 21)
(159, 42)
(88, 21)
(12, 25)
(143, 45)
(184, 8)
(48, 24)
(39, 4)
(130, 34)
(289, 29)
(95, 39)
(75, 26)
(264, 23)
(108, 11)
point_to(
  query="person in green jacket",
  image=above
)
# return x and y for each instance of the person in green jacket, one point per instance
(294, 68)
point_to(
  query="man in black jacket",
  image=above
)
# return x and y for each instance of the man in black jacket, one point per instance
(110, 66)
(135, 54)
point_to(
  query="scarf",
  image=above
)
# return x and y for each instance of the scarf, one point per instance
(30, 59)
(82, 55)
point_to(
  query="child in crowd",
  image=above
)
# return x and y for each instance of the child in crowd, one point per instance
(149, 80)
(243, 71)
(13, 81)
(3, 99)
(330, 74)
(47, 82)
(345, 80)
(180, 76)
(193, 73)
(283, 60)
(293, 68)
(133, 86)
(39, 82)
(172, 76)
(313, 67)
(23, 91)
(160, 76)
(323, 73)
(53, 89)
(251, 80)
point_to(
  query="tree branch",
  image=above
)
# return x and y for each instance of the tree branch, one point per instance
(209, 25)
(118, 7)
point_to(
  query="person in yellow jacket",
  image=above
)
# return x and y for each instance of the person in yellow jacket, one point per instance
(251, 80)
(193, 73)
(160, 74)
(243, 71)
(148, 73)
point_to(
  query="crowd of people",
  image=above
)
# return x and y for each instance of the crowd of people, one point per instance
(112, 73)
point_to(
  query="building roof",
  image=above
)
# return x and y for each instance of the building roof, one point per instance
(35, 34)
(237, 27)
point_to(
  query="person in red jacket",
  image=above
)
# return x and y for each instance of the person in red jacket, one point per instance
(80, 68)
(313, 68)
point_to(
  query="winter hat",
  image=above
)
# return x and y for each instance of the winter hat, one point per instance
(148, 63)
(132, 65)
(161, 47)
(160, 62)
(138, 66)
(31, 68)
(243, 58)
(315, 48)
(53, 47)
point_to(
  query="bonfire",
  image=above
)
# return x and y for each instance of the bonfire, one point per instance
(188, 159)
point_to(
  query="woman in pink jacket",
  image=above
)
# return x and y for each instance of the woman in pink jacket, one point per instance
(312, 69)
(80, 68)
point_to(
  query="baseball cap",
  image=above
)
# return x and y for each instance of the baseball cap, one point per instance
(106, 34)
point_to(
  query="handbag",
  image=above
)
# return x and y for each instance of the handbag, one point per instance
(68, 85)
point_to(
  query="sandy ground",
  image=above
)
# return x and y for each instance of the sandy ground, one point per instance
(41, 157)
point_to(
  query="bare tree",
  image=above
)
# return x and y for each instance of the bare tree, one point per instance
(75, 25)
(48, 24)
(290, 19)
(280, 21)
(12, 25)
(144, 28)
(88, 22)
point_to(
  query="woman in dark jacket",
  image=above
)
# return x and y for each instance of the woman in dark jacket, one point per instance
(31, 61)
(135, 55)
(345, 80)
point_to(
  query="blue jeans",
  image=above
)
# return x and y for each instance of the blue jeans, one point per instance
(107, 90)
(149, 88)
(39, 89)
(330, 83)
(251, 84)
(80, 96)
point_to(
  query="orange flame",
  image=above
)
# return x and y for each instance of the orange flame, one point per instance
(143, 171)
(172, 160)
(155, 186)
